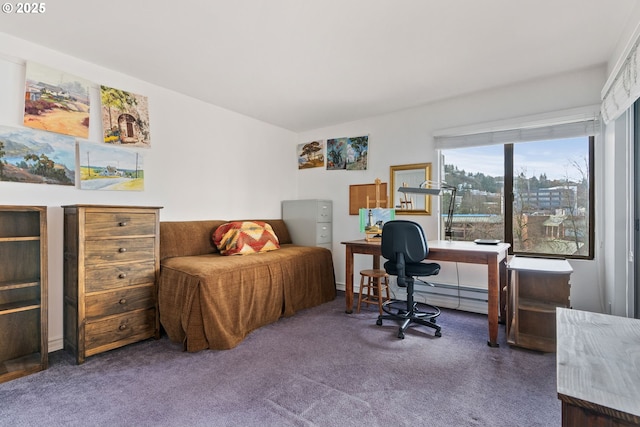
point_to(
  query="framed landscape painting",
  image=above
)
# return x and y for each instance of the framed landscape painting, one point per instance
(105, 167)
(56, 101)
(36, 157)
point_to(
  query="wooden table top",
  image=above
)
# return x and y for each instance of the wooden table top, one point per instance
(598, 359)
(551, 266)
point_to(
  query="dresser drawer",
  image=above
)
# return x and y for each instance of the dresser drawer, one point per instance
(114, 276)
(116, 331)
(109, 224)
(119, 250)
(119, 301)
(323, 232)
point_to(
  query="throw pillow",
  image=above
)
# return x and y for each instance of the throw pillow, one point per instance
(245, 237)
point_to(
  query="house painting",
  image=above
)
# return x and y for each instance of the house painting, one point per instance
(125, 117)
(56, 101)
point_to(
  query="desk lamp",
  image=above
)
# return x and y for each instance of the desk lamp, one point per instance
(435, 191)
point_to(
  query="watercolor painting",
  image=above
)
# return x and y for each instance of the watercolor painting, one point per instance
(357, 153)
(348, 153)
(56, 101)
(125, 118)
(311, 155)
(105, 167)
(337, 154)
(36, 157)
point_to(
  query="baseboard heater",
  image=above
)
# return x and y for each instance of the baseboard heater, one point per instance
(452, 296)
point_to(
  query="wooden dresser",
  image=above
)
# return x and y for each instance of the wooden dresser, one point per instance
(598, 378)
(111, 261)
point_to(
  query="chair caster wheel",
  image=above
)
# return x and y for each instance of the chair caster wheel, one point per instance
(438, 334)
(401, 335)
(379, 322)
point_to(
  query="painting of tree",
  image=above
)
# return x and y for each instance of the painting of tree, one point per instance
(125, 117)
(348, 153)
(337, 154)
(311, 155)
(357, 151)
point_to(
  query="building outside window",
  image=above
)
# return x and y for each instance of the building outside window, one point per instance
(535, 195)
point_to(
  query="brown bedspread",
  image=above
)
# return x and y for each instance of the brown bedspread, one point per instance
(214, 301)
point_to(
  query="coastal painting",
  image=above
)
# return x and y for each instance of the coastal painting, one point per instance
(125, 118)
(311, 155)
(106, 167)
(56, 101)
(36, 157)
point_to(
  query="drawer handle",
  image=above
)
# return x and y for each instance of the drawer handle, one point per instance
(122, 224)
(122, 301)
(122, 250)
(122, 276)
(122, 326)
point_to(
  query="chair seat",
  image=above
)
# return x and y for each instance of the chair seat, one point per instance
(414, 269)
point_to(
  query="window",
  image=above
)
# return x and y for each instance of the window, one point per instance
(537, 195)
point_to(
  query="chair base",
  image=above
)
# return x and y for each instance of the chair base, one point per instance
(407, 313)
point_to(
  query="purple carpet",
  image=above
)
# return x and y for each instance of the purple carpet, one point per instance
(320, 367)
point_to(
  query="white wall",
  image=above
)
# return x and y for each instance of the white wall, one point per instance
(406, 137)
(204, 163)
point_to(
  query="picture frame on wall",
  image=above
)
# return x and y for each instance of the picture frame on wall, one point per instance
(410, 175)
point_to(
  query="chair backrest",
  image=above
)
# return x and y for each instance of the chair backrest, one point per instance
(404, 237)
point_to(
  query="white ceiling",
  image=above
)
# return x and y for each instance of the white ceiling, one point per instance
(305, 64)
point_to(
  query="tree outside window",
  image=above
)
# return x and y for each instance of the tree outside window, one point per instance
(548, 199)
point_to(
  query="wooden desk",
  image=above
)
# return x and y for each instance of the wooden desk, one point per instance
(598, 379)
(493, 256)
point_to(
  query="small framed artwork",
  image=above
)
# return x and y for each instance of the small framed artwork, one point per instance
(348, 153)
(311, 155)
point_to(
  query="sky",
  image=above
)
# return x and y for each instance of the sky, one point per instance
(552, 158)
(102, 155)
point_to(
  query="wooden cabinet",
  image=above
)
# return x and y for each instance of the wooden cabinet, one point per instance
(111, 261)
(309, 221)
(23, 291)
(537, 287)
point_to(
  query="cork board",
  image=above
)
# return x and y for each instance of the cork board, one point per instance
(358, 197)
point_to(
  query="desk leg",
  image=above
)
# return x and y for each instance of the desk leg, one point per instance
(348, 285)
(494, 295)
(503, 291)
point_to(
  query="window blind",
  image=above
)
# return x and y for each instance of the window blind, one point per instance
(624, 90)
(575, 123)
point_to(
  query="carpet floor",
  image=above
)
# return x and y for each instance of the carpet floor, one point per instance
(320, 367)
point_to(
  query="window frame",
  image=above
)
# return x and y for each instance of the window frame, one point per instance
(509, 199)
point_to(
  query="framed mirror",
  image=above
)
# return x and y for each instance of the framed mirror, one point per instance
(410, 176)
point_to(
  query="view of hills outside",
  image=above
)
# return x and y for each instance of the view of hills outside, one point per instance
(550, 195)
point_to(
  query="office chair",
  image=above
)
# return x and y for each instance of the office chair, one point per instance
(404, 246)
